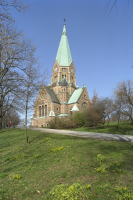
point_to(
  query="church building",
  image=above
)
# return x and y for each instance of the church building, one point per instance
(62, 96)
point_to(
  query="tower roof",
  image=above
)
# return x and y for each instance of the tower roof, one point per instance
(63, 56)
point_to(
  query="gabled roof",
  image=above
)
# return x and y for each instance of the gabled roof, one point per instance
(63, 56)
(52, 95)
(74, 108)
(75, 96)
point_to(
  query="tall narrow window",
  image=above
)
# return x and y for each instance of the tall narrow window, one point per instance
(42, 110)
(45, 110)
(62, 76)
(39, 111)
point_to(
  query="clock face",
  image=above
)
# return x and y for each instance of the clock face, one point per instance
(55, 69)
(71, 70)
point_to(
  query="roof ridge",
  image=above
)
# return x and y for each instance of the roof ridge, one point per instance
(55, 94)
(75, 97)
(80, 94)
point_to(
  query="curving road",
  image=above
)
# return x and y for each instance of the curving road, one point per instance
(98, 136)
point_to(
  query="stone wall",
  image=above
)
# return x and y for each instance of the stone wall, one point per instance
(40, 122)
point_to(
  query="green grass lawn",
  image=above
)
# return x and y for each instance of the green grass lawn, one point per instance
(56, 166)
(125, 128)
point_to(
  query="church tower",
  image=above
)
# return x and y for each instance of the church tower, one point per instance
(62, 95)
(63, 80)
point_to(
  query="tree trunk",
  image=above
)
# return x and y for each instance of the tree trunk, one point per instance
(26, 140)
(0, 93)
(108, 120)
(132, 120)
(0, 115)
(118, 123)
(1, 105)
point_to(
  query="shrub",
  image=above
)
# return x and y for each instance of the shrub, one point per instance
(58, 123)
(77, 120)
(93, 117)
(80, 119)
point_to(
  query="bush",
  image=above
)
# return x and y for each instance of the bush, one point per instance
(93, 117)
(65, 123)
(58, 123)
(80, 119)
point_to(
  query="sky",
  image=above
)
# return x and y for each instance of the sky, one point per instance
(101, 44)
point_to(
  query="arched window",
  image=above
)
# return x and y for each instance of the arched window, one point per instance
(62, 76)
(65, 77)
(45, 110)
(42, 110)
(84, 105)
(39, 111)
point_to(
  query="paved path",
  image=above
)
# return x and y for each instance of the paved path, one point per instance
(98, 136)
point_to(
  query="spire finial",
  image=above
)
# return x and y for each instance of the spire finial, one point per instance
(64, 21)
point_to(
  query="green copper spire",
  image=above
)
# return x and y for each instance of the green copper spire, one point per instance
(63, 56)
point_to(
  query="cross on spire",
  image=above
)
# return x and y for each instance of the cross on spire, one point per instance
(64, 21)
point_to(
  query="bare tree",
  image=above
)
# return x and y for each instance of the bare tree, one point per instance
(117, 108)
(105, 107)
(15, 52)
(33, 80)
(6, 5)
(99, 110)
(109, 6)
(123, 99)
(13, 116)
(93, 113)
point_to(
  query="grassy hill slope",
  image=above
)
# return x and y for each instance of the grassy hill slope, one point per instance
(92, 169)
(125, 128)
